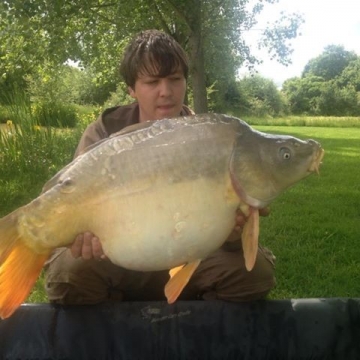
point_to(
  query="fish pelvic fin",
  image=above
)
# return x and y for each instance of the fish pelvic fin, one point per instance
(20, 266)
(175, 270)
(250, 238)
(179, 279)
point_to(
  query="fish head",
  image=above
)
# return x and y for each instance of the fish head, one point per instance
(263, 165)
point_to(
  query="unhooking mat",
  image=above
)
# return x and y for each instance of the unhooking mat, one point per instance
(194, 330)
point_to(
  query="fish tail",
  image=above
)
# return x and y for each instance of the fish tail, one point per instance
(20, 266)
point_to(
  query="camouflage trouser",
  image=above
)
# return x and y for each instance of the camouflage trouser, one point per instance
(220, 276)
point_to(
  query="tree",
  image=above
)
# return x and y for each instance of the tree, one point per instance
(277, 38)
(65, 84)
(95, 32)
(336, 101)
(257, 96)
(330, 63)
(302, 93)
(329, 85)
(350, 75)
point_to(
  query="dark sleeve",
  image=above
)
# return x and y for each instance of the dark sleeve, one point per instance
(232, 246)
(186, 111)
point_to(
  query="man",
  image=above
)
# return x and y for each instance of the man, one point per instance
(155, 68)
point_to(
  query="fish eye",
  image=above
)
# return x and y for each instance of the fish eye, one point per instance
(285, 153)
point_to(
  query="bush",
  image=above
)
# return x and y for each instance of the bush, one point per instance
(257, 96)
(55, 114)
(335, 101)
(119, 97)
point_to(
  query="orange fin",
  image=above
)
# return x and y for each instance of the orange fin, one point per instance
(178, 281)
(19, 267)
(250, 239)
(175, 270)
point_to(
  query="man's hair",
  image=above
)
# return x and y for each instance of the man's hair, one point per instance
(155, 53)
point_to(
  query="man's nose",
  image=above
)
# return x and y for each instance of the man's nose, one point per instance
(164, 87)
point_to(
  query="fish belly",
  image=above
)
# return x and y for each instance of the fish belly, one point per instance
(167, 225)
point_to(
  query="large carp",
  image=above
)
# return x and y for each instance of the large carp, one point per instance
(159, 195)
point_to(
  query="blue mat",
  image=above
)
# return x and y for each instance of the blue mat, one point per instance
(191, 330)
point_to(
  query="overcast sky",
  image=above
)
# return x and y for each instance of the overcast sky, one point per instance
(326, 22)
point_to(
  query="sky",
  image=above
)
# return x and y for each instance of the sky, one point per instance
(327, 22)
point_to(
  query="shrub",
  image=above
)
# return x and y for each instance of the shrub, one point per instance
(119, 97)
(258, 96)
(55, 114)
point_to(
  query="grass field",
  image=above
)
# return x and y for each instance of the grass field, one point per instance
(313, 228)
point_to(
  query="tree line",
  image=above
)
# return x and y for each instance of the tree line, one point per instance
(40, 37)
(328, 86)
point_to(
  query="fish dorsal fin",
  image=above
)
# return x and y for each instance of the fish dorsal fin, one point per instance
(52, 182)
(179, 279)
(250, 238)
(128, 129)
(58, 177)
(134, 127)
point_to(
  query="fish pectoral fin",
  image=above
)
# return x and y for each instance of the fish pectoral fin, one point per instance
(250, 238)
(175, 270)
(20, 267)
(178, 280)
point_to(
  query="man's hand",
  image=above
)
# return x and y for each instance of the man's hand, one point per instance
(87, 246)
(240, 220)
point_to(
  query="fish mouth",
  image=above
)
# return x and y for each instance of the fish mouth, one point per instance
(316, 161)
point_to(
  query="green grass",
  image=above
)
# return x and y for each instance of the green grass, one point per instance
(313, 228)
(29, 156)
(312, 121)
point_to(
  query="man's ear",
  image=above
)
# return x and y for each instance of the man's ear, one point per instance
(132, 92)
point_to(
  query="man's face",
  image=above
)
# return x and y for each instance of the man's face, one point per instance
(159, 98)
